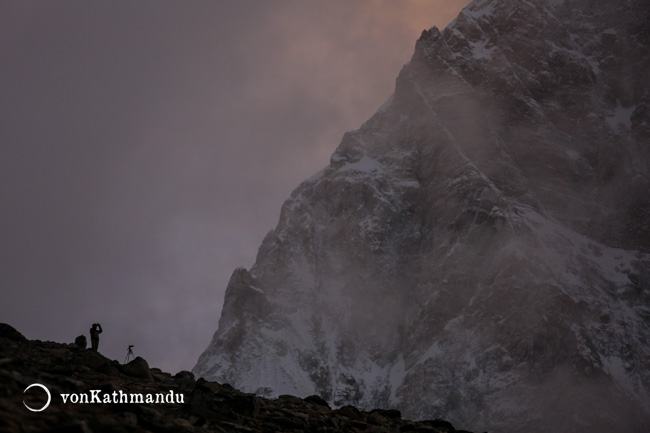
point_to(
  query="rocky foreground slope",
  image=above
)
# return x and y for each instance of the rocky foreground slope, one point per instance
(68, 370)
(480, 248)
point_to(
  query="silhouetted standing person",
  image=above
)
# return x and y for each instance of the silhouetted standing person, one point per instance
(94, 335)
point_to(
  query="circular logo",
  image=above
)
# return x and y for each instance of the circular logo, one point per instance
(49, 397)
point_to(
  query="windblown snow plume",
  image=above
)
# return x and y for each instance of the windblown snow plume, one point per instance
(479, 250)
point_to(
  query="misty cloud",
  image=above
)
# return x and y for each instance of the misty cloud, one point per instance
(148, 147)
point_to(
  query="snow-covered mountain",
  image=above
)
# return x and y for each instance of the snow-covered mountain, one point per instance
(479, 250)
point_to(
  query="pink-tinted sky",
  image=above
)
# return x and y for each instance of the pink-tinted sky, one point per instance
(147, 147)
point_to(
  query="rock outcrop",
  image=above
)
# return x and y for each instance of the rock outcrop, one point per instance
(67, 369)
(480, 248)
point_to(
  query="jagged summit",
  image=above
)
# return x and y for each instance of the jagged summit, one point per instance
(479, 249)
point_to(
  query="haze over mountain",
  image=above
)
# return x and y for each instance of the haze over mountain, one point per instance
(479, 249)
(147, 148)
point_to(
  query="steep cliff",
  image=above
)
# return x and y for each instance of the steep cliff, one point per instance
(479, 249)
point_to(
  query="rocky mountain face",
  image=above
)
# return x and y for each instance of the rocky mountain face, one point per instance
(197, 406)
(479, 249)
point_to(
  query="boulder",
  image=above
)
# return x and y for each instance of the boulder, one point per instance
(81, 341)
(317, 400)
(185, 379)
(10, 333)
(137, 368)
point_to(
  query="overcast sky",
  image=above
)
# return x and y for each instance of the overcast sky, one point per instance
(146, 149)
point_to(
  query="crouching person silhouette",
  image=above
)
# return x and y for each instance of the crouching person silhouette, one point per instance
(94, 335)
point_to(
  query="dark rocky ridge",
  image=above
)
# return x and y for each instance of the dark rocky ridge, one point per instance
(207, 406)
